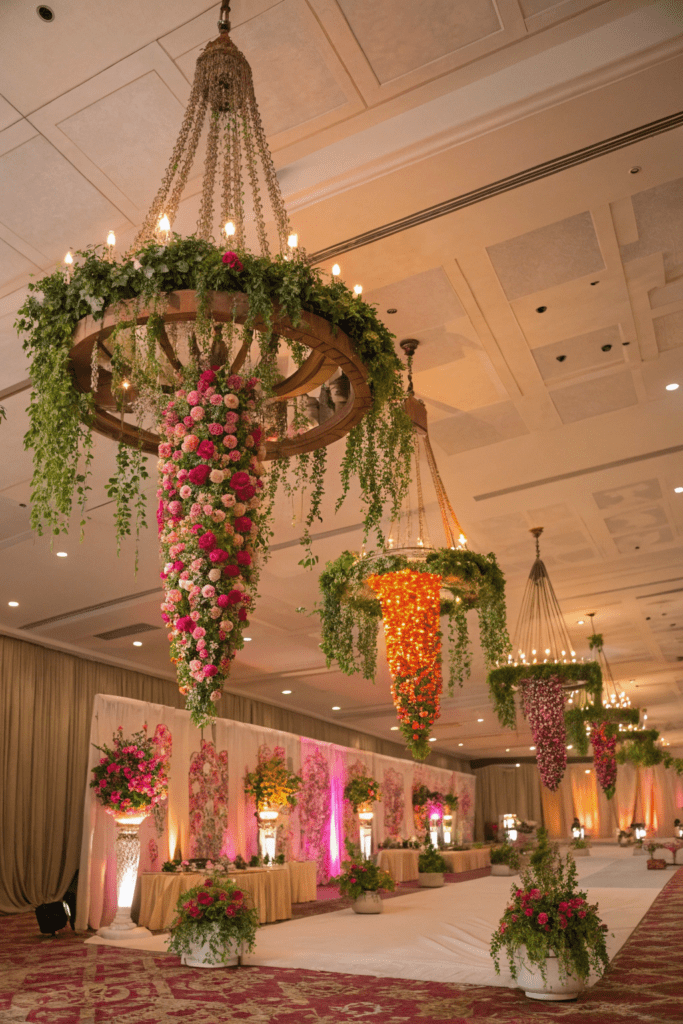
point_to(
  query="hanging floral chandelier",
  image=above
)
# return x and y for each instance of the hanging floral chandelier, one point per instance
(408, 586)
(209, 355)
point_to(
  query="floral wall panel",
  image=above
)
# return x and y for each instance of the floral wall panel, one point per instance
(315, 806)
(154, 842)
(393, 798)
(465, 791)
(208, 784)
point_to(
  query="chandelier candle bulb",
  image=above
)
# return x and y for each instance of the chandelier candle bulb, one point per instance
(229, 229)
(68, 265)
(293, 241)
(336, 271)
(358, 289)
(164, 229)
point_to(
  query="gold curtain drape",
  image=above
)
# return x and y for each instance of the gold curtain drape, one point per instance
(504, 789)
(46, 700)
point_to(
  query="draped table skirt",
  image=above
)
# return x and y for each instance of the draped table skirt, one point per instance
(302, 880)
(401, 864)
(467, 860)
(267, 889)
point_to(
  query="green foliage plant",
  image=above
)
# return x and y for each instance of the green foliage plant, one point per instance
(272, 784)
(639, 749)
(548, 915)
(505, 853)
(215, 911)
(361, 875)
(579, 844)
(504, 681)
(431, 861)
(350, 613)
(378, 450)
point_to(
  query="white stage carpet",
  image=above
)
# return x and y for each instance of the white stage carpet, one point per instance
(441, 934)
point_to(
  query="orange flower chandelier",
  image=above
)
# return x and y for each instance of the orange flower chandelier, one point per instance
(411, 604)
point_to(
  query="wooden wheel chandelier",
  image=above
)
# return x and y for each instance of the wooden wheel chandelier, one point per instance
(238, 171)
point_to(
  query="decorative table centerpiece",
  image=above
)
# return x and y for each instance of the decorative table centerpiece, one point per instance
(362, 881)
(129, 779)
(214, 925)
(551, 935)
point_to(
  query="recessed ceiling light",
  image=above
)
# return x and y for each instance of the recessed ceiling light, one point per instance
(286, 691)
(246, 639)
(394, 728)
(541, 309)
(13, 604)
(507, 750)
(518, 765)
(678, 490)
(588, 771)
(336, 708)
(480, 719)
(45, 13)
(137, 643)
(635, 170)
(532, 748)
(61, 554)
(392, 310)
(432, 739)
(672, 387)
(580, 622)
(459, 744)
(570, 747)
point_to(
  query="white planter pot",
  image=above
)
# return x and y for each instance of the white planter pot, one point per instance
(368, 903)
(200, 955)
(580, 853)
(431, 879)
(502, 869)
(552, 989)
(638, 851)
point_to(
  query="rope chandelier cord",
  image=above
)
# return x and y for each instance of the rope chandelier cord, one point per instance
(540, 634)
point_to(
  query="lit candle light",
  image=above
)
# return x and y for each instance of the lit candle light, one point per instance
(336, 271)
(164, 228)
(111, 245)
(229, 229)
(68, 263)
(293, 241)
(358, 289)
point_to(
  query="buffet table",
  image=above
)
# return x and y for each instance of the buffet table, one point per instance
(467, 860)
(156, 895)
(302, 880)
(401, 864)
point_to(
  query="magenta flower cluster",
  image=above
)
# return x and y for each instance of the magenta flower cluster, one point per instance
(131, 775)
(543, 706)
(209, 499)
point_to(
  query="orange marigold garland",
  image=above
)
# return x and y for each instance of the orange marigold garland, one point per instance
(410, 610)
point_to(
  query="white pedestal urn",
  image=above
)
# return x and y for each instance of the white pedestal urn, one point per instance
(202, 955)
(368, 903)
(431, 879)
(127, 860)
(267, 827)
(553, 989)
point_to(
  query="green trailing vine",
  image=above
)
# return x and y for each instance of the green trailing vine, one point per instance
(350, 613)
(639, 749)
(377, 450)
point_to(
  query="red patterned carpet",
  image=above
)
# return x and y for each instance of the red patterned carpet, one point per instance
(63, 981)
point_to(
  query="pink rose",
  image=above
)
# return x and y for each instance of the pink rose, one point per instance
(180, 430)
(542, 918)
(185, 491)
(197, 413)
(242, 524)
(235, 455)
(193, 397)
(231, 401)
(230, 441)
(206, 449)
(165, 450)
(190, 443)
(215, 428)
(198, 633)
(198, 474)
(232, 260)
(207, 541)
(210, 670)
(227, 500)
(235, 382)
(208, 590)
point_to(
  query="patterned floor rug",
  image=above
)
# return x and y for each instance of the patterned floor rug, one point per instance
(63, 981)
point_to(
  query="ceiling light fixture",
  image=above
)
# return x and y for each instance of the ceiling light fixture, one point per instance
(518, 765)
(678, 490)
(480, 719)
(137, 643)
(247, 639)
(432, 739)
(286, 691)
(672, 387)
(13, 604)
(394, 728)
(62, 554)
(336, 708)
(460, 744)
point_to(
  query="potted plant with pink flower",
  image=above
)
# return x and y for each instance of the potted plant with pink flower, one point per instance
(214, 926)
(362, 881)
(552, 936)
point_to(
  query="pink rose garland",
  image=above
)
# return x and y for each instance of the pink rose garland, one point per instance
(543, 705)
(604, 740)
(209, 521)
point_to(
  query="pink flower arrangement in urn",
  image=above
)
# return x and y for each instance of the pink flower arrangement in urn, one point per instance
(131, 775)
(209, 515)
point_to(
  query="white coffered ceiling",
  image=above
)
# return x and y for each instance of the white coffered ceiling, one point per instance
(469, 163)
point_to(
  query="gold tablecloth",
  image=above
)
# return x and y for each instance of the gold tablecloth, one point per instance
(401, 864)
(467, 860)
(268, 889)
(302, 880)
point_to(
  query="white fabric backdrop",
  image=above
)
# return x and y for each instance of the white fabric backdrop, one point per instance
(169, 830)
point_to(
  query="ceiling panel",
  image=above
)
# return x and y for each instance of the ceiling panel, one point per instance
(595, 397)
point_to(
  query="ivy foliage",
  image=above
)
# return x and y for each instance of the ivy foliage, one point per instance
(639, 749)
(377, 451)
(350, 613)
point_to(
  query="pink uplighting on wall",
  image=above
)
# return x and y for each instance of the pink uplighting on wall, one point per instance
(337, 810)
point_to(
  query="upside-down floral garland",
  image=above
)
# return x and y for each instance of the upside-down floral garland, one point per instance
(543, 705)
(209, 517)
(604, 740)
(410, 609)
(131, 776)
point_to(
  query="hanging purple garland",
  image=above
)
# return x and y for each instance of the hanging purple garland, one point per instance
(543, 705)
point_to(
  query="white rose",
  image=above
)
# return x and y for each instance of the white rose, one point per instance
(239, 509)
(216, 476)
(214, 575)
(227, 626)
